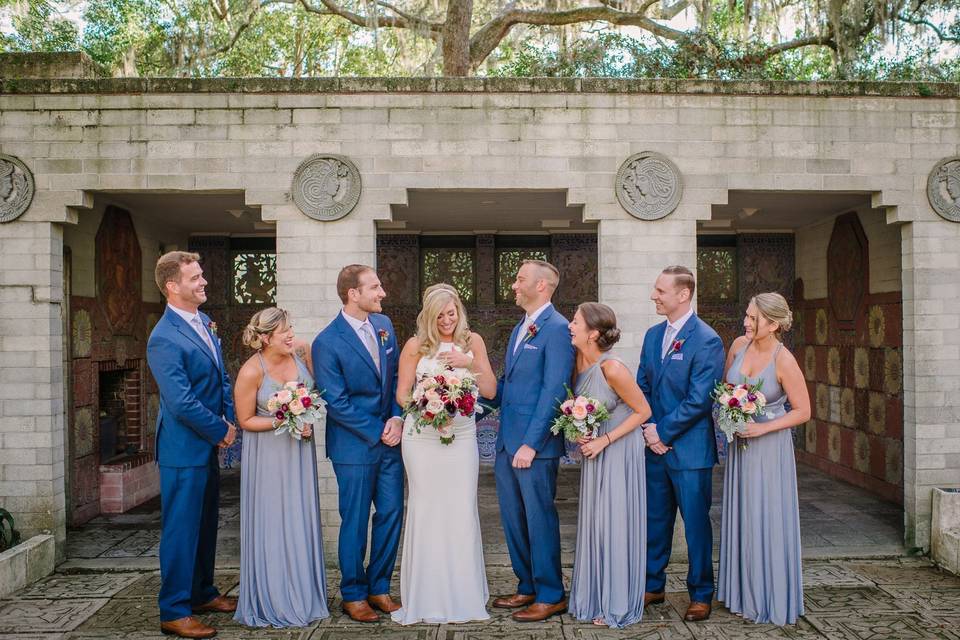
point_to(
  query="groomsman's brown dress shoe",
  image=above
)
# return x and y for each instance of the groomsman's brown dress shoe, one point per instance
(220, 604)
(650, 597)
(188, 627)
(540, 611)
(697, 612)
(515, 601)
(360, 611)
(383, 602)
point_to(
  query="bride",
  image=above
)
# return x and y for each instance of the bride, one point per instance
(442, 575)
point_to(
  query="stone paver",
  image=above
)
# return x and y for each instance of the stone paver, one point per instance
(108, 586)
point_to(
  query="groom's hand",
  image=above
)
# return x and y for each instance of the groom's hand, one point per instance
(391, 432)
(524, 457)
(230, 437)
(653, 439)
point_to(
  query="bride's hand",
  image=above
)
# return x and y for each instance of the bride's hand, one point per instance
(456, 359)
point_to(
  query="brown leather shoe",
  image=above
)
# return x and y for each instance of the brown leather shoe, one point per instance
(188, 627)
(515, 601)
(360, 611)
(650, 597)
(540, 611)
(697, 612)
(220, 604)
(383, 602)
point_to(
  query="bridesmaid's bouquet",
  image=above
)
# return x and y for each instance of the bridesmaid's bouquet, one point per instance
(439, 397)
(579, 416)
(294, 408)
(737, 404)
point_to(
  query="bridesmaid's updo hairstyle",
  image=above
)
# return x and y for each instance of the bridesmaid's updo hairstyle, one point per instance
(601, 318)
(774, 308)
(263, 323)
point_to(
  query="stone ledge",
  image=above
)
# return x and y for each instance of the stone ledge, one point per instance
(26, 563)
(16, 84)
(945, 529)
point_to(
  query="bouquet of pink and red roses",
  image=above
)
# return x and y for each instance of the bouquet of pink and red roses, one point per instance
(439, 397)
(297, 410)
(579, 416)
(736, 405)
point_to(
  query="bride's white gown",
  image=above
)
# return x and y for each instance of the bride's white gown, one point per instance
(442, 576)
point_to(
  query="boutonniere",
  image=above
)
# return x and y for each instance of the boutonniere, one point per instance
(677, 345)
(532, 331)
(384, 336)
(213, 328)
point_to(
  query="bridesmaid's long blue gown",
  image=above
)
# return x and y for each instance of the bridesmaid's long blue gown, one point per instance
(761, 576)
(282, 579)
(610, 563)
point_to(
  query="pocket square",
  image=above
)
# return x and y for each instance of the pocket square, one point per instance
(389, 351)
(530, 346)
(677, 356)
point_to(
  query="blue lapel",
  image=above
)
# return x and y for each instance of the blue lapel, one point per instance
(348, 335)
(683, 335)
(513, 338)
(191, 335)
(538, 323)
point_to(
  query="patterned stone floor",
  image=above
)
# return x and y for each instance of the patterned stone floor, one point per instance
(858, 582)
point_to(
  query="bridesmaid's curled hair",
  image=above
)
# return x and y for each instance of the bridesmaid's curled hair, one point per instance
(774, 308)
(263, 323)
(601, 318)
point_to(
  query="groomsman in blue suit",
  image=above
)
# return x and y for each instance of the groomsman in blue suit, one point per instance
(539, 362)
(196, 416)
(355, 358)
(681, 360)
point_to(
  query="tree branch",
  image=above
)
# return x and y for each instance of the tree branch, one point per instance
(486, 39)
(921, 22)
(399, 19)
(809, 41)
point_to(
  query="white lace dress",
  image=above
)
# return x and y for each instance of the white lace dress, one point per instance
(442, 575)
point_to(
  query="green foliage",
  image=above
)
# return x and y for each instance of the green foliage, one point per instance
(40, 28)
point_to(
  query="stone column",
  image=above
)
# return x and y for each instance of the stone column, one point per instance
(931, 375)
(310, 255)
(31, 376)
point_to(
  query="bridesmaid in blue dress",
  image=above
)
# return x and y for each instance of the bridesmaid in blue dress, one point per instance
(282, 579)
(760, 561)
(609, 568)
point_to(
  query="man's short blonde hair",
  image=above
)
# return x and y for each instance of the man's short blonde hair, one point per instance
(546, 272)
(168, 267)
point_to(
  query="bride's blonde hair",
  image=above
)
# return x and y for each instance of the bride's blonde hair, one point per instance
(435, 298)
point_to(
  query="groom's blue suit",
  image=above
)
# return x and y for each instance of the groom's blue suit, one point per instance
(678, 388)
(194, 400)
(529, 392)
(360, 400)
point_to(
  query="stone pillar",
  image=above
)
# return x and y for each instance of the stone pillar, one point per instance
(31, 377)
(931, 375)
(310, 255)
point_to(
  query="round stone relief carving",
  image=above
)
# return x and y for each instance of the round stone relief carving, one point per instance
(326, 186)
(16, 188)
(649, 185)
(82, 333)
(943, 188)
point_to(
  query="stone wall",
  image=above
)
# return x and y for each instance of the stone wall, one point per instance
(84, 136)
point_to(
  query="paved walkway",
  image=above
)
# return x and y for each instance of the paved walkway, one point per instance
(858, 583)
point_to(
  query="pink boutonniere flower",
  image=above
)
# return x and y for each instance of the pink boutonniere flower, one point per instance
(384, 336)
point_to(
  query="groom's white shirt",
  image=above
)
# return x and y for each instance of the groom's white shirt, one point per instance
(529, 320)
(357, 326)
(672, 331)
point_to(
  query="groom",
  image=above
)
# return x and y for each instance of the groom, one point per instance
(681, 360)
(539, 363)
(196, 415)
(355, 358)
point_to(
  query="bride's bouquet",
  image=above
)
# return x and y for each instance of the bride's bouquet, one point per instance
(294, 408)
(735, 405)
(439, 397)
(579, 416)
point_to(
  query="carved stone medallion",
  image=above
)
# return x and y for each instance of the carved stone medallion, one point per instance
(943, 188)
(16, 188)
(326, 186)
(649, 185)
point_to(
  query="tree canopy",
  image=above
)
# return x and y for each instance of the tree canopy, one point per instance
(784, 39)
